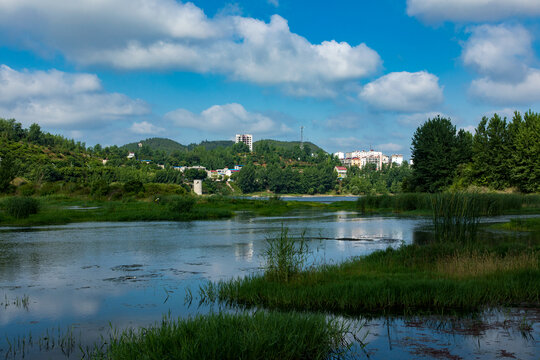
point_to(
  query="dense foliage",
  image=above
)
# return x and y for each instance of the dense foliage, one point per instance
(501, 155)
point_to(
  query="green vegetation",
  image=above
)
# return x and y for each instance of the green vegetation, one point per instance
(262, 335)
(285, 256)
(520, 224)
(437, 150)
(370, 181)
(21, 207)
(501, 155)
(436, 277)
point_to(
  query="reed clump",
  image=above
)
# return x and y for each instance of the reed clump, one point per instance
(477, 264)
(262, 335)
(455, 216)
(285, 256)
(21, 207)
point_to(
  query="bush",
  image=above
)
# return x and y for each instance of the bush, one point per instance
(26, 189)
(21, 207)
(133, 187)
(179, 204)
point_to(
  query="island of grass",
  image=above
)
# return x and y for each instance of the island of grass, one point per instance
(263, 335)
(455, 271)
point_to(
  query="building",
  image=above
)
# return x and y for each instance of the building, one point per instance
(341, 172)
(362, 158)
(246, 139)
(131, 155)
(340, 155)
(396, 159)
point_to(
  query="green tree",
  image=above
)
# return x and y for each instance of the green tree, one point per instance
(8, 172)
(525, 172)
(435, 155)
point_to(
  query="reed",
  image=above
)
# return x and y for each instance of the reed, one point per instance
(455, 216)
(262, 335)
(437, 277)
(285, 256)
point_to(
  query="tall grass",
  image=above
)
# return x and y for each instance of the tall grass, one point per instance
(21, 207)
(489, 204)
(285, 256)
(455, 216)
(263, 335)
(437, 277)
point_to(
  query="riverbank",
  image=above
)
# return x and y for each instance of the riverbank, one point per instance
(62, 209)
(55, 210)
(414, 279)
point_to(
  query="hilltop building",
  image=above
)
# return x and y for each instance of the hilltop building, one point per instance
(396, 159)
(246, 139)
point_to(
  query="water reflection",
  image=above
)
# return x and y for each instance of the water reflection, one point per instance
(132, 273)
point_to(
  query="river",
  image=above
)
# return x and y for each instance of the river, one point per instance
(90, 276)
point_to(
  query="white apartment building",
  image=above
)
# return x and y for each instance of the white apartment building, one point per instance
(396, 159)
(340, 155)
(246, 139)
(361, 158)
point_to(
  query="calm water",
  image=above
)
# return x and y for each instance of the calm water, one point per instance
(83, 276)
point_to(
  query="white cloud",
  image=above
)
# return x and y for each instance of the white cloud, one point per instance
(55, 98)
(227, 119)
(144, 127)
(503, 56)
(164, 34)
(506, 93)
(471, 10)
(499, 52)
(403, 92)
(417, 119)
(389, 147)
(274, 2)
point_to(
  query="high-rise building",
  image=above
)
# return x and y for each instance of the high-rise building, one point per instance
(246, 139)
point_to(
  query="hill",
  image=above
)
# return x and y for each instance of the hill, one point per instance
(161, 144)
(211, 145)
(287, 145)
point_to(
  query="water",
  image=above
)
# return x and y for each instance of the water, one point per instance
(83, 276)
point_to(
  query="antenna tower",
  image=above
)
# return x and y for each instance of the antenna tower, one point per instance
(301, 137)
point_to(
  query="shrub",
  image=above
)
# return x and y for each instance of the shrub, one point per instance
(133, 187)
(26, 189)
(179, 204)
(21, 207)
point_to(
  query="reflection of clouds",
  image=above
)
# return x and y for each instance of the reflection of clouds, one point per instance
(244, 251)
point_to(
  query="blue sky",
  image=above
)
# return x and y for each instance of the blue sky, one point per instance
(355, 74)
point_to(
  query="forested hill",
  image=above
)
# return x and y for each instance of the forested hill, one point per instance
(161, 144)
(168, 145)
(286, 145)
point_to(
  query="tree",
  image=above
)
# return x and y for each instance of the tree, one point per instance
(435, 155)
(7, 172)
(525, 172)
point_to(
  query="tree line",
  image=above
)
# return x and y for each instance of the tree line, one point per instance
(501, 154)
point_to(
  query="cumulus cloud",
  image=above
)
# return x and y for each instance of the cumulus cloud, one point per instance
(144, 127)
(471, 10)
(499, 52)
(55, 98)
(164, 34)
(503, 56)
(403, 92)
(389, 147)
(228, 118)
(508, 93)
(417, 119)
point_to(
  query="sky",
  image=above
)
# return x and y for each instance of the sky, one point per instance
(355, 74)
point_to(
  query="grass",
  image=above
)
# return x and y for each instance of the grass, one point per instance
(432, 278)
(262, 335)
(57, 209)
(529, 224)
(488, 204)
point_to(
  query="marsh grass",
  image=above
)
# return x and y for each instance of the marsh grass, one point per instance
(433, 278)
(477, 264)
(489, 204)
(262, 335)
(285, 256)
(455, 216)
(21, 207)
